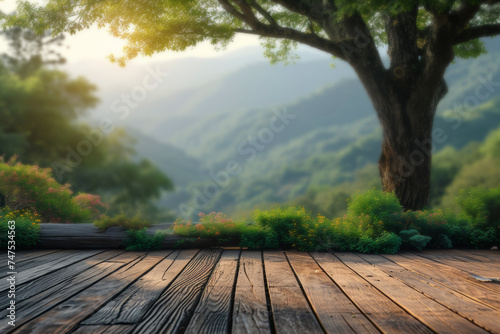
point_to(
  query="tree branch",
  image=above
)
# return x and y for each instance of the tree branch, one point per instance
(246, 31)
(263, 12)
(472, 33)
(276, 31)
(461, 16)
(251, 19)
(232, 10)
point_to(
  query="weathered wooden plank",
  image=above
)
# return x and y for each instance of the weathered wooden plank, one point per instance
(214, 308)
(291, 312)
(34, 262)
(471, 309)
(474, 258)
(453, 261)
(104, 329)
(456, 281)
(382, 311)
(67, 315)
(26, 255)
(456, 271)
(434, 315)
(36, 297)
(250, 306)
(486, 255)
(88, 236)
(493, 255)
(334, 310)
(171, 312)
(131, 305)
(46, 282)
(57, 263)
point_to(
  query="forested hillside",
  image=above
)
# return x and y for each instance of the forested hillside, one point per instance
(330, 131)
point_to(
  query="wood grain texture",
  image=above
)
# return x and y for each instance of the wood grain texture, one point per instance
(291, 311)
(450, 278)
(449, 259)
(214, 308)
(452, 270)
(114, 291)
(426, 310)
(88, 236)
(334, 310)
(250, 306)
(173, 310)
(382, 311)
(67, 315)
(37, 261)
(30, 273)
(25, 255)
(475, 258)
(38, 296)
(469, 308)
(104, 329)
(492, 255)
(133, 303)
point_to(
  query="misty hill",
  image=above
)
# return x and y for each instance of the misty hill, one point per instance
(180, 167)
(334, 131)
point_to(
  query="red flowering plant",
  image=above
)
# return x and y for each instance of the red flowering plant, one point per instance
(26, 187)
(213, 225)
(93, 204)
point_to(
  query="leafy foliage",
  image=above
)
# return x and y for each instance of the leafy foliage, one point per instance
(134, 223)
(139, 240)
(26, 231)
(182, 24)
(412, 238)
(30, 187)
(291, 224)
(375, 223)
(482, 208)
(379, 206)
(213, 225)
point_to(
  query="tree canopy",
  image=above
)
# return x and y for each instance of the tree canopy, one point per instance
(338, 27)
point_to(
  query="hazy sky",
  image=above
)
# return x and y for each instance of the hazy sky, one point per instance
(97, 44)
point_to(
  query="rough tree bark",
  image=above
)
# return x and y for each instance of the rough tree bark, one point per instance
(405, 161)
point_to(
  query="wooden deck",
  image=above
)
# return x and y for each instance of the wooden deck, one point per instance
(242, 291)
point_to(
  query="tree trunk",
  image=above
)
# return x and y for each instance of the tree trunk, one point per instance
(405, 96)
(405, 161)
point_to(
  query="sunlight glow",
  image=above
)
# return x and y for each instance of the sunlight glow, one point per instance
(97, 44)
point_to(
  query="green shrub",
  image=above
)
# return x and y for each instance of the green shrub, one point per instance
(293, 226)
(256, 237)
(442, 241)
(419, 241)
(387, 243)
(379, 206)
(92, 204)
(34, 188)
(482, 208)
(412, 239)
(215, 226)
(407, 234)
(372, 224)
(26, 232)
(429, 223)
(135, 223)
(139, 240)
